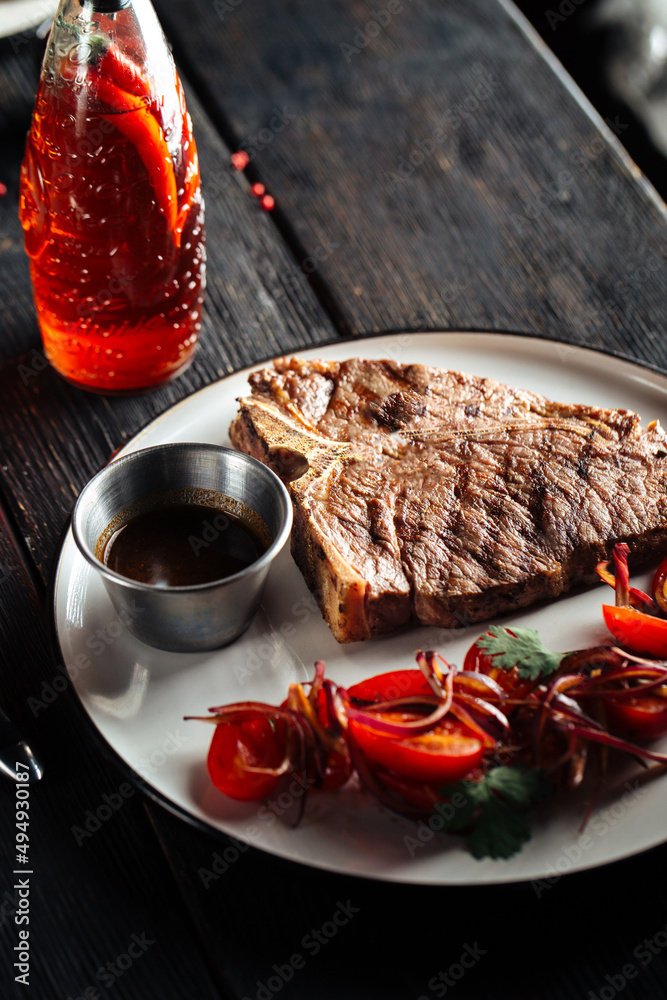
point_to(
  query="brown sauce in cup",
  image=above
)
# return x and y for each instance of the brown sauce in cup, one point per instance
(183, 544)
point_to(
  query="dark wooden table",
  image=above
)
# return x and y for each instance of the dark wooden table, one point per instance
(433, 168)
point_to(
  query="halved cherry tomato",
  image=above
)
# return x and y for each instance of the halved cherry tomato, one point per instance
(640, 718)
(237, 746)
(446, 753)
(392, 685)
(642, 633)
(477, 660)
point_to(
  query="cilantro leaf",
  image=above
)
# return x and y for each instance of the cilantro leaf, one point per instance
(493, 810)
(521, 648)
(518, 785)
(502, 834)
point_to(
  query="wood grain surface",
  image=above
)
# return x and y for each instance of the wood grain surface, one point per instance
(524, 214)
(458, 182)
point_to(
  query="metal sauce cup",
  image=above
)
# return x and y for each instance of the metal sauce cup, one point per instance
(201, 616)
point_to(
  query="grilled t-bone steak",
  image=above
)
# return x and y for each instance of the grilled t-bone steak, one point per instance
(424, 495)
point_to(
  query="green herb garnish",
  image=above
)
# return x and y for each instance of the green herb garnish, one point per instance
(521, 648)
(494, 809)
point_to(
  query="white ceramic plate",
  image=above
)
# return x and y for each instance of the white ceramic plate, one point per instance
(17, 16)
(136, 696)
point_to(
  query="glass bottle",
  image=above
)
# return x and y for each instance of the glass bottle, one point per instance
(111, 203)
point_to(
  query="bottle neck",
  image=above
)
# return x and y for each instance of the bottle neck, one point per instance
(106, 6)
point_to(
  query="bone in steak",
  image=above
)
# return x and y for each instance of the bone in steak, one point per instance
(424, 495)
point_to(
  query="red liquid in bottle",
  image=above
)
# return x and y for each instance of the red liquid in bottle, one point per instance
(113, 220)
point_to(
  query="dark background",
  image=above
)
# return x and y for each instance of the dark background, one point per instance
(584, 47)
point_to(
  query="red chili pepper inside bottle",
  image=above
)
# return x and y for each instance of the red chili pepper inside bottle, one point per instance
(111, 203)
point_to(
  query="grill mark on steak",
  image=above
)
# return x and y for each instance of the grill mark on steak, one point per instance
(538, 492)
(399, 409)
(402, 374)
(465, 500)
(460, 490)
(585, 457)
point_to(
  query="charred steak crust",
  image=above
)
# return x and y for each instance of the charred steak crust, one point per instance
(425, 495)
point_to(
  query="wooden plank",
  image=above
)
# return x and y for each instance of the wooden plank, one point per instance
(459, 181)
(18, 83)
(98, 875)
(54, 436)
